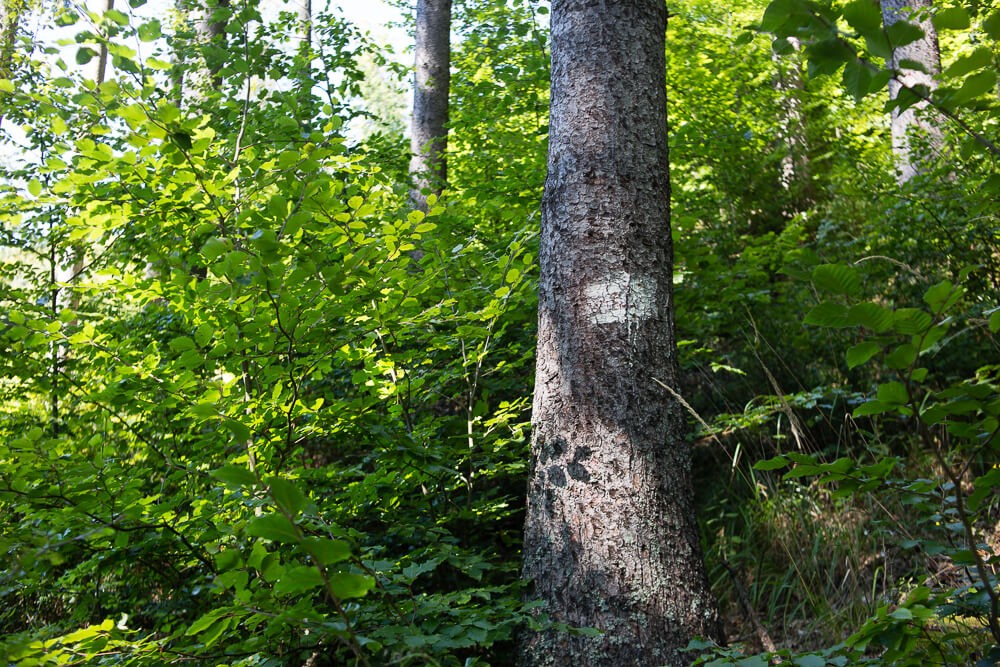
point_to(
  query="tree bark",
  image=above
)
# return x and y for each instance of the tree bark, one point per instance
(102, 56)
(916, 132)
(794, 175)
(10, 16)
(429, 136)
(611, 540)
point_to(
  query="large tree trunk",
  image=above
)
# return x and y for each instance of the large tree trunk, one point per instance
(610, 540)
(429, 137)
(916, 133)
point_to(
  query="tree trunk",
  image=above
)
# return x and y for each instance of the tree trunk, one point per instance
(305, 15)
(611, 540)
(916, 133)
(429, 137)
(794, 175)
(10, 16)
(102, 56)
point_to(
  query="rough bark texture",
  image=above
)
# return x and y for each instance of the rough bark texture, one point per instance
(916, 133)
(428, 137)
(610, 540)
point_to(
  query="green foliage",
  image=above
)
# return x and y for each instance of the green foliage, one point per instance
(957, 424)
(254, 410)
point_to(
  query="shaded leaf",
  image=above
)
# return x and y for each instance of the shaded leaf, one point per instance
(862, 352)
(828, 314)
(346, 585)
(288, 496)
(951, 18)
(273, 527)
(871, 316)
(298, 579)
(235, 476)
(837, 278)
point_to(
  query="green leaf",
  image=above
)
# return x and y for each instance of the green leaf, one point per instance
(978, 59)
(893, 393)
(213, 248)
(150, 31)
(995, 321)
(858, 77)
(861, 353)
(975, 86)
(829, 55)
(298, 579)
(942, 296)
(327, 551)
(837, 278)
(212, 634)
(991, 25)
(902, 33)
(181, 344)
(863, 15)
(116, 16)
(902, 614)
(871, 316)
(771, 464)
(235, 476)
(34, 187)
(809, 661)
(902, 357)
(182, 140)
(205, 621)
(951, 18)
(909, 321)
(288, 496)
(274, 527)
(984, 487)
(828, 314)
(239, 430)
(871, 408)
(84, 55)
(346, 585)
(922, 343)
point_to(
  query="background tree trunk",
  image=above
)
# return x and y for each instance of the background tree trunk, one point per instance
(916, 121)
(794, 175)
(610, 540)
(428, 141)
(10, 16)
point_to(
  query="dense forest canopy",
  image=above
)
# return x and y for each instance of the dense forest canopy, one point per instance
(266, 386)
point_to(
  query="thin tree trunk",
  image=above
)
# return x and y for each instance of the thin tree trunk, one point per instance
(304, 10)
(10, 17)
(916, 132)
(211, 32)
(429, 136)
(790, 85)
(611, 540)
(102, 57)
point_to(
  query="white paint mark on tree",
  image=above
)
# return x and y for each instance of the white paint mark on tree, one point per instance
(620, 298)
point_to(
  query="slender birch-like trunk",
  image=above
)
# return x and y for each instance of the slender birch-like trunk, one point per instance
(432, 78)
